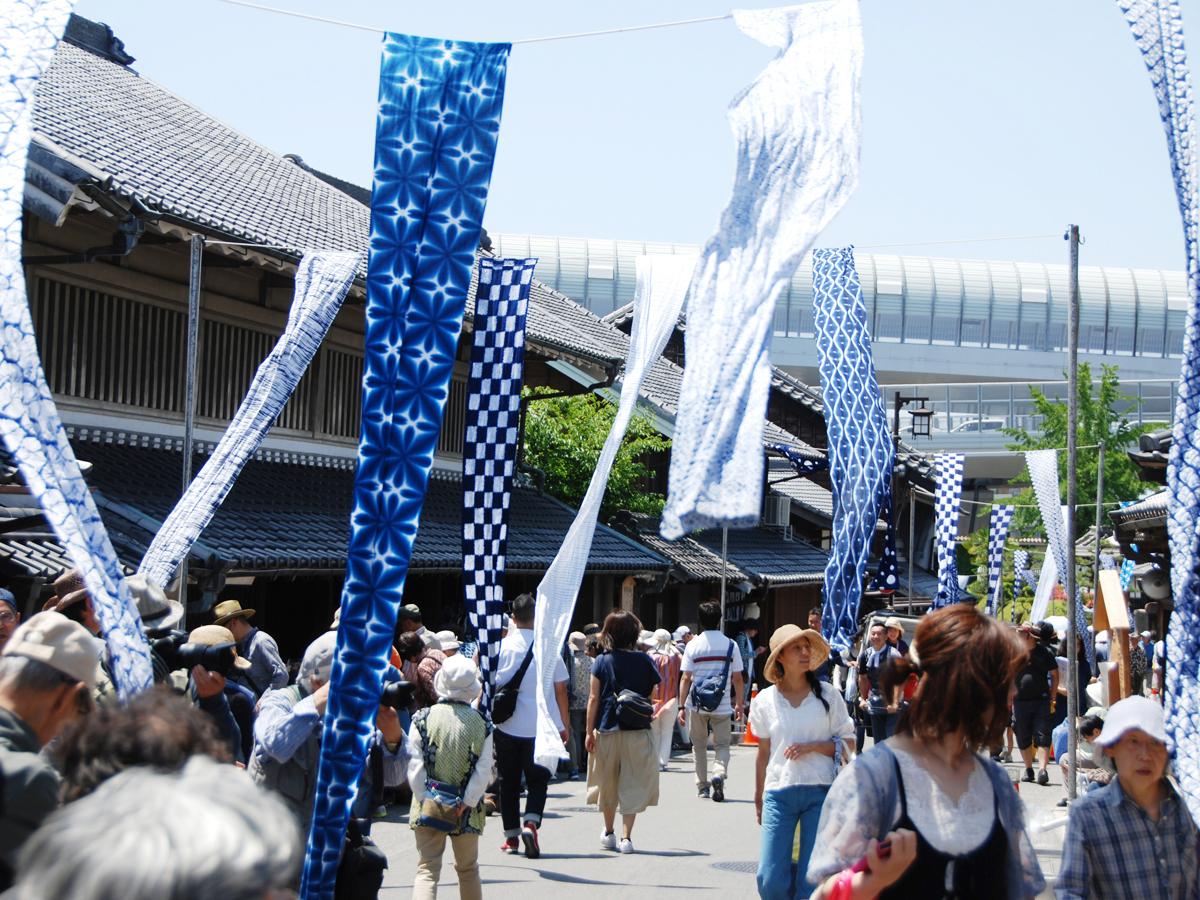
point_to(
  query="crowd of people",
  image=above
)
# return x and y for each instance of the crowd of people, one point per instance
(927, 811)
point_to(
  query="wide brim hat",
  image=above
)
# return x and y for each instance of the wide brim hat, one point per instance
(157, 610)
(790, 634)
(228, 610)
(217, 636)
(1133, 713)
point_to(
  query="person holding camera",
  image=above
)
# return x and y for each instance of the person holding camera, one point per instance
(230, 705)
(266, 669)
(287, 735)
(450, 766)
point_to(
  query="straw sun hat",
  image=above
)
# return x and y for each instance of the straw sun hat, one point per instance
(790, 634)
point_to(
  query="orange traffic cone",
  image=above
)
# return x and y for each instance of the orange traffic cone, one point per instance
(749, 739)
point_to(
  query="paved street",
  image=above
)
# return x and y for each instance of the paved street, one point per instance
(682, 843)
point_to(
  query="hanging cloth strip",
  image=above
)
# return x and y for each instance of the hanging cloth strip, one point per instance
(662, 282)
(1157, 27)
(1043, 593)
(29, 422)
(801, 462)
(888, 575)
(490, 448)
(860, 447)
(997, 534)
(439, 116)
(949, 493)
(323, 279)
(1022, 572)
(1127, 568)
(1043, 474)
(797, 130)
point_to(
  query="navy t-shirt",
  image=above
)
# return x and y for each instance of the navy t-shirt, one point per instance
(619, 670)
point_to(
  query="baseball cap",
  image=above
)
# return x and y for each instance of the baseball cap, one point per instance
(53, 639)
(410, 611)
(1133, 713)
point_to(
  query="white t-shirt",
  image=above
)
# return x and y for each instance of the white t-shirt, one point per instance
(774, 718)
(711, 644)
(523, 723)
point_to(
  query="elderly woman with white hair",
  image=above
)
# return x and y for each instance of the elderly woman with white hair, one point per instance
(667, 660)
(449, 770)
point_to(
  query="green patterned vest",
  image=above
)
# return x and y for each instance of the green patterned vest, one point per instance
(453, 734)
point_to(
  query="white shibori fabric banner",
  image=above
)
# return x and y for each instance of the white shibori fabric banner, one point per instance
(797, 129)
(322, 280)
(29, 422)
(661, 285)
(1047, 580)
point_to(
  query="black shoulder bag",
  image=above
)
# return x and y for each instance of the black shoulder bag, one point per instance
(504, 703)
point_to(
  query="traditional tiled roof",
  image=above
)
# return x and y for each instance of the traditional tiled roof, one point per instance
(1148, 512)
(768, 558)
(690, 560)
(805, 493)
(291, 517)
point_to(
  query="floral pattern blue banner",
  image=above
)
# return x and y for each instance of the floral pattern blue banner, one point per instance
(1157, 27)
(439, 121)
(29, 422)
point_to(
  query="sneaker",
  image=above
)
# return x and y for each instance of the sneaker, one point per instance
(1043, 778)
(702, 792)
(1006, 756)
(626, 846)
(1028, 776)
(529, 837)
(996, 758)
(509, 845)
(608, 841)
(1063, 802)
(718, 789)
(662, 767)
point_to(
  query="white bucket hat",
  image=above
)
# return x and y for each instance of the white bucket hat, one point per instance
(457, 679)
(1130, 714)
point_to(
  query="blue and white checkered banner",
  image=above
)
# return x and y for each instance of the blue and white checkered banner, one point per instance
(438, 124)
(1043, 474)
(323, 279)
(997, 534)
(949, 493)
(860, 447)
(1022, 572)
(803, 463)
(797, 133)
(1157, 27)
(490, 448)
(29, 422)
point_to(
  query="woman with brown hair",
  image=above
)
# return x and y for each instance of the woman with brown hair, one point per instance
(954, 824)
(623, 755)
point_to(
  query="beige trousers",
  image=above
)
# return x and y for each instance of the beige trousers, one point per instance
(721, 726)
(431, 844)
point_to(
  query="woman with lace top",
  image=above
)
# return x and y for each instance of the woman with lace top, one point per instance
(931, 784)
(803, 732)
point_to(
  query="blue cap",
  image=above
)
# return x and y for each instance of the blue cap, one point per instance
(6, 596)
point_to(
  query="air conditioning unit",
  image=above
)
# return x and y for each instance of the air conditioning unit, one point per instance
(779, 511)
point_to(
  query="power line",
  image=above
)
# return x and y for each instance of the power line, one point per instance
(978, 240)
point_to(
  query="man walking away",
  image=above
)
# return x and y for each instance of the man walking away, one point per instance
(581, 680)
(266, 665)
(1037, 692)
(514, 735)
(710, 664)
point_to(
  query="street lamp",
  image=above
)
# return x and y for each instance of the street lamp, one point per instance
(921, 416)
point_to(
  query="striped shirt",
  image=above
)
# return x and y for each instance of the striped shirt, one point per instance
(668, 665)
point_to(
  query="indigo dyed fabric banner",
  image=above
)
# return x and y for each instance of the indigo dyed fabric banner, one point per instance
(997, 534)
(797, 132)
(1043, 475)
(322, 281)
(29, 422)
(490, 448)
(949, 494)
(1157, 27)
(801, 461)
(662, 282)
(439, 118)
(888, 575)
(1022, 573)
(860, 447)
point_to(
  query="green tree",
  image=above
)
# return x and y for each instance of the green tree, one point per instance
(563, 438)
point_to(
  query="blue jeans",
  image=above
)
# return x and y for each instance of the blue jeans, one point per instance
(783, 808)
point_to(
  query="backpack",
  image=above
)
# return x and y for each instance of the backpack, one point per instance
(504, 703)
(708, 692)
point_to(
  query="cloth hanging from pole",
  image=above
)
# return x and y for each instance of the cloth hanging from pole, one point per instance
(860, 447)
(439, 118)
(1157, 27)
(997, 534)
(1021, 571)
(1043, 591)
(493, 431)
(662, 282)
(29, 421)
(1043, 474)
(801, 462)
(323, 279)
(1127, 568)
(888, 575)
(946, 502)
(797, 130)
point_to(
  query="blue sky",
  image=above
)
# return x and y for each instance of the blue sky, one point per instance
(1005, 117)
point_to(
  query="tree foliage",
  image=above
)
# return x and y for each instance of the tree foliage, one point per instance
(563, 438)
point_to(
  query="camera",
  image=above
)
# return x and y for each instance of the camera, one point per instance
(397, 694)
(177, 653)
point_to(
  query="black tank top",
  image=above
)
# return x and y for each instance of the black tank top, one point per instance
(981, 874)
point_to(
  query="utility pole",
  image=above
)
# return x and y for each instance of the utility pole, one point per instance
(1072, 236)
(189, 393)
(1099, 519)
(724, 568)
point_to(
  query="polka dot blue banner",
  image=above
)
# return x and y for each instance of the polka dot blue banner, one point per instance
(439, 119)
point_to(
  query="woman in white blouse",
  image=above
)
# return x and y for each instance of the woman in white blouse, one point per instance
(803, 730)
